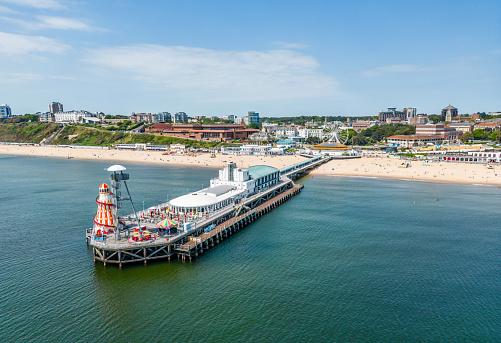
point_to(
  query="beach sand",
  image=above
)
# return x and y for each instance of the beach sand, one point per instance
(124, 156)
(384, 167)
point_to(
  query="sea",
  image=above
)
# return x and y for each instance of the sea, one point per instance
(347, 260)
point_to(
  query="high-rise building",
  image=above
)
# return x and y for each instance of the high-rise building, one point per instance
(392, 113)
(5, 111)
(251, 118)
(450, 112)
(55, 107)
(164, 117)
(411, 112)
(180, 117)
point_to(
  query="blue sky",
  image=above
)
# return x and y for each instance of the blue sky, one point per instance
(229, 57)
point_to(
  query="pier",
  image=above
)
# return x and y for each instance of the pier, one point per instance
(206, 232)
(199, 244)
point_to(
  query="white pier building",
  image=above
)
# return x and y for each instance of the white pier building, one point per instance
(232, 185)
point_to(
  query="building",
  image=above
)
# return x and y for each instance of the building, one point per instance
(149, 118)
(146, 118)
(449, 134)
(462, 127)
(71, 116)
(5, 111)
(450, 113)
(486, 156)
(180, 117)
(286, 131)
(213, 132)
(410, 112)
(408, 141)
(251, 118)
(395, 120)
(162, 117)
(286, 144)
(420, 119)
(260, 136)
(490, 126)
(359, 125)
(232, 185)
(334, 149)
(55, 107)
(47, 118)
(312, 124)
(307, 133)
(230, 117)
(392, 113)
(91, 120)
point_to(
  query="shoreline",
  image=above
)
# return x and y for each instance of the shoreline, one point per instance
(367, 167)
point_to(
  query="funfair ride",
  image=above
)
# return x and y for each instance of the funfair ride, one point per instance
(107, 220)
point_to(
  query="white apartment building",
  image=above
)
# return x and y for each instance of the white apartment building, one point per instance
(307, 133)
(71, 116)
(286, 132)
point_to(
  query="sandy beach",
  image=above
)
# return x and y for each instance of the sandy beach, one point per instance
(124, 156)
(384, 167)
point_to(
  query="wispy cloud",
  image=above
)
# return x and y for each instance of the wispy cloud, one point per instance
(395, 68)
(212, 75)
(4, 9)
(46, 22)
(17, 78)
(496, 51)
(285, 45)
(16, 44)
(42, 4)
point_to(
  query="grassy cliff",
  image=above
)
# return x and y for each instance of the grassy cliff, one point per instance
(80, 135)
(163, 140)
(26, 132)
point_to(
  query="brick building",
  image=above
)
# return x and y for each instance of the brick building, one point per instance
(213, 132)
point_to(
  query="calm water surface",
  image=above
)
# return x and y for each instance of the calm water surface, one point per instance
(348, 260)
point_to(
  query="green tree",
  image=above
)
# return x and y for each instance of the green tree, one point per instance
(434, 118)
(312, 140)
(479, 134)
(467, 136)
(495, 136)
(253, 126)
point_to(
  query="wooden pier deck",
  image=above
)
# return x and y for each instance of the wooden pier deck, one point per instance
(199, 244)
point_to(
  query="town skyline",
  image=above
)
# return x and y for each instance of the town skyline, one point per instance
(278, 59)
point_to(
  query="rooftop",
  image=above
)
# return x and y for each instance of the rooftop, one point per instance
(257, 172)
(410, 137)
(206, 197)
(330, 146)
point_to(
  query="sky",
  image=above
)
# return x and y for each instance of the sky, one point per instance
(278, 58)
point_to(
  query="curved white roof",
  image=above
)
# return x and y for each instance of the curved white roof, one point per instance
(116, 167)
(194, 200)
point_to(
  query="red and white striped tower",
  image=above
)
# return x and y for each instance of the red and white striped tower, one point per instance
(105, 220)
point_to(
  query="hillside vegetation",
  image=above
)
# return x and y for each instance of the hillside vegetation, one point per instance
(25, 132)
(80, 135)
(163, 140)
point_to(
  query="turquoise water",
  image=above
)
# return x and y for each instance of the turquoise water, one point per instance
(347, 260)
